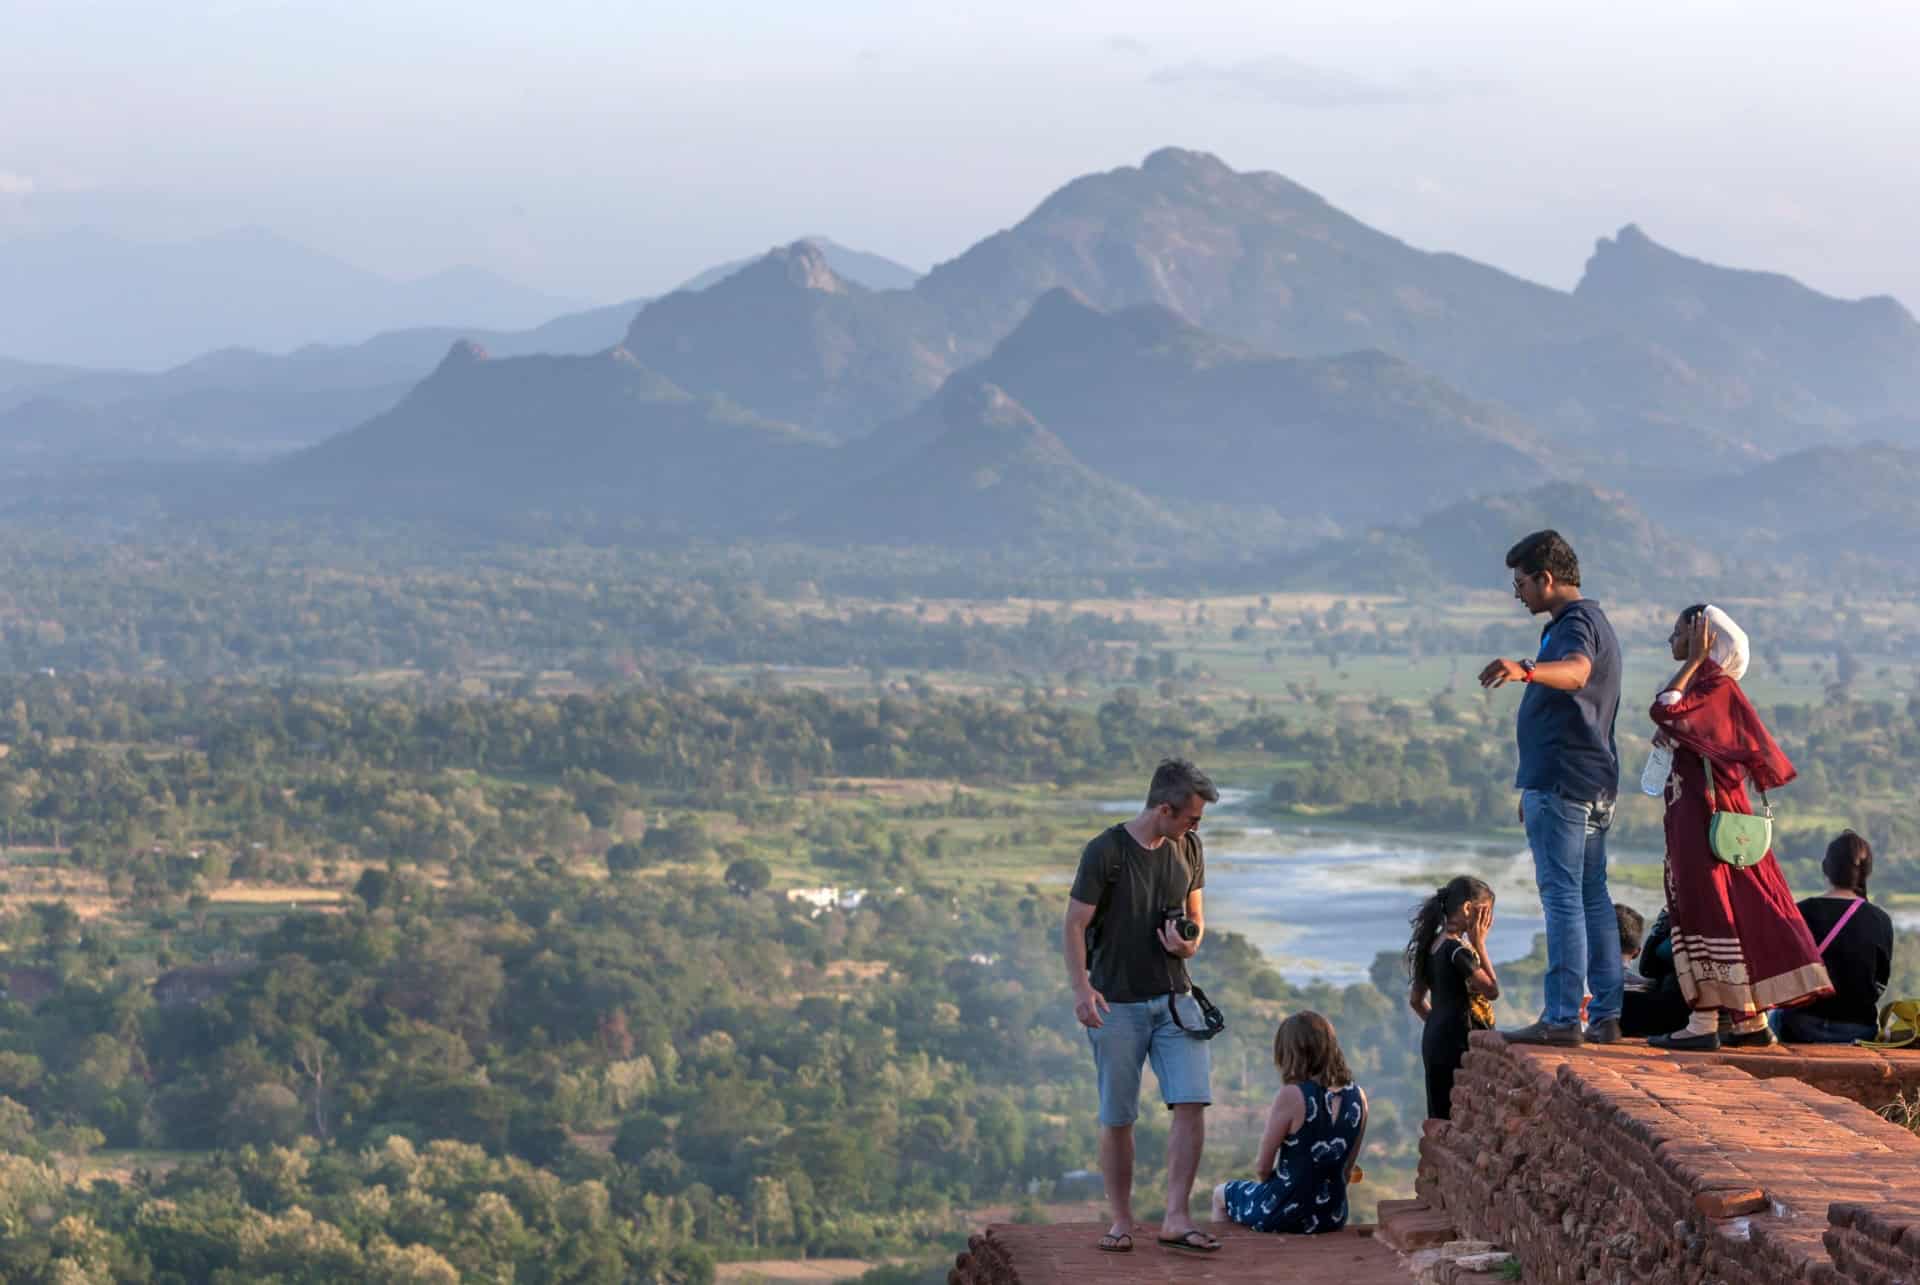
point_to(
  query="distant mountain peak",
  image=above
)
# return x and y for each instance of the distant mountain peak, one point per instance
(802, 265)
(1060, 311)
(969, 403)
(1063, 318)
(1186, 163)
(848, 266)
(1631, 250)
(463, 353)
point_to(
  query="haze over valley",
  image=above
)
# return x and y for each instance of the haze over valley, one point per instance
(574, 583)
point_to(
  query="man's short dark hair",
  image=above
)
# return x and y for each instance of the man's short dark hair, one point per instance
(1177, 780)
(1633, 928)
(1545, 551)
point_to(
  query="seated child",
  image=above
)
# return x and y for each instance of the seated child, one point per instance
(1633, 931)
(1656, 1006)
(1312, 1140)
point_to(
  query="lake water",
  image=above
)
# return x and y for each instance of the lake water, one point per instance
(1323, 901)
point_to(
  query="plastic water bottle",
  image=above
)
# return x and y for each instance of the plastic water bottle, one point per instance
(1653, 777)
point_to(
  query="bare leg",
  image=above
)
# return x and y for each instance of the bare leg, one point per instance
(1219, 1211)
(1184, 1141)
(1116, 1171)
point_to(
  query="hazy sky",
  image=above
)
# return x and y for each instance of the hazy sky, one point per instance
(606, 148)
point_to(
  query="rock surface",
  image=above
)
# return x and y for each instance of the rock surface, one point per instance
(1064, 1254)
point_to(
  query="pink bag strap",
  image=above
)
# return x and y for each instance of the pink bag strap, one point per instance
(1835, 930)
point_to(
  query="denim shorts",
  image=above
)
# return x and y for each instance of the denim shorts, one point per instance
(1130, 1035)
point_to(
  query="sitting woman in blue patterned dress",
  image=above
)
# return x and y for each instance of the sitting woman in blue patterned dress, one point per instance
(1312, 1141)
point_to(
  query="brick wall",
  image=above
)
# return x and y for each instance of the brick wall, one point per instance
(1625, 1164)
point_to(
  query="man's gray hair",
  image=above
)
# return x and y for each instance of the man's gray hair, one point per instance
(1177, 780)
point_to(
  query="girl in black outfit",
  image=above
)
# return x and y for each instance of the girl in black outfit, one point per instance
(1859, 956)
(1447, 962)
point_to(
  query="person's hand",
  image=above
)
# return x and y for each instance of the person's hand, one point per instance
(1661, 741)
(1520, 810)
(1088, 1005)
(1700, 638)
(1478, 923)
(1500, 672)
(1175, 944)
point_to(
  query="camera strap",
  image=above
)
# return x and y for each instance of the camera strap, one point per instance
(1212, 1020)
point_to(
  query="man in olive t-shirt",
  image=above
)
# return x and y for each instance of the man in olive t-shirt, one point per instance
(1126, 966)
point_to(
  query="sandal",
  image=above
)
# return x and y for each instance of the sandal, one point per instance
(1195, 1241)
(1112, 1244)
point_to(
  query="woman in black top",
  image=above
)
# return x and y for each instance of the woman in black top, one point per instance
(1447, 962)
(1859, 957)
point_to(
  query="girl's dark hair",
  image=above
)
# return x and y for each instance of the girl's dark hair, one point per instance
(1431, 916)
(1305, 1048)
(1692, 613)
(1849, 862)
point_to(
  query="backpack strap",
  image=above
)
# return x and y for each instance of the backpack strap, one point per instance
(1109, 875)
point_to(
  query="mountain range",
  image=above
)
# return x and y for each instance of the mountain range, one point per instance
(1215, 355)
(245, 403)
(1140, 393)
(992, 477)
(599, 432)
(85, 298)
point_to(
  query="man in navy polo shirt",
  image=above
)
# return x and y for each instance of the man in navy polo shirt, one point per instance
(1569, 774)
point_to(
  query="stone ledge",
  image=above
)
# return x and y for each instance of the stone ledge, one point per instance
(1629, 1163)
(1871, 1077)
(1410, 1225)
(1064, 1254)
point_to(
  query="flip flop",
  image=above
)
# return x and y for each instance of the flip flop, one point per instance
(1112, 1244)
(1193, 1242)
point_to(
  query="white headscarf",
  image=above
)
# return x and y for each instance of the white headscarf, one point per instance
(1729, 650)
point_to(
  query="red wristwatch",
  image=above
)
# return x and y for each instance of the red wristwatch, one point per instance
(1526, 671)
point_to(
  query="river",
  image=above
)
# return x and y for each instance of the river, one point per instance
(1322, 901)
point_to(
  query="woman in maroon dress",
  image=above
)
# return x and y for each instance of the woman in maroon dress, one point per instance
(1740, 946)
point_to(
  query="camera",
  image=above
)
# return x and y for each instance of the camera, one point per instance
(1183, 927)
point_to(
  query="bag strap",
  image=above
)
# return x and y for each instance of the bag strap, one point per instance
(1212, 1022)
(1835, 930)
(1713, 798)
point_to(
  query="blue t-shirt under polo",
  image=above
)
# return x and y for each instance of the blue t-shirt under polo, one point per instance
(1566, 738)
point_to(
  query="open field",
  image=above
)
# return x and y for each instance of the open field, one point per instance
(791, 1271)
(276, 895)
(1252, 647)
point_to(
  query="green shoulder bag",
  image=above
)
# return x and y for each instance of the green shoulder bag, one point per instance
(1737, 838)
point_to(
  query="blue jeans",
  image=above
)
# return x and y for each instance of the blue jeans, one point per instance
(1569, 842)
(1132, 1034)
(1796, 1027)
